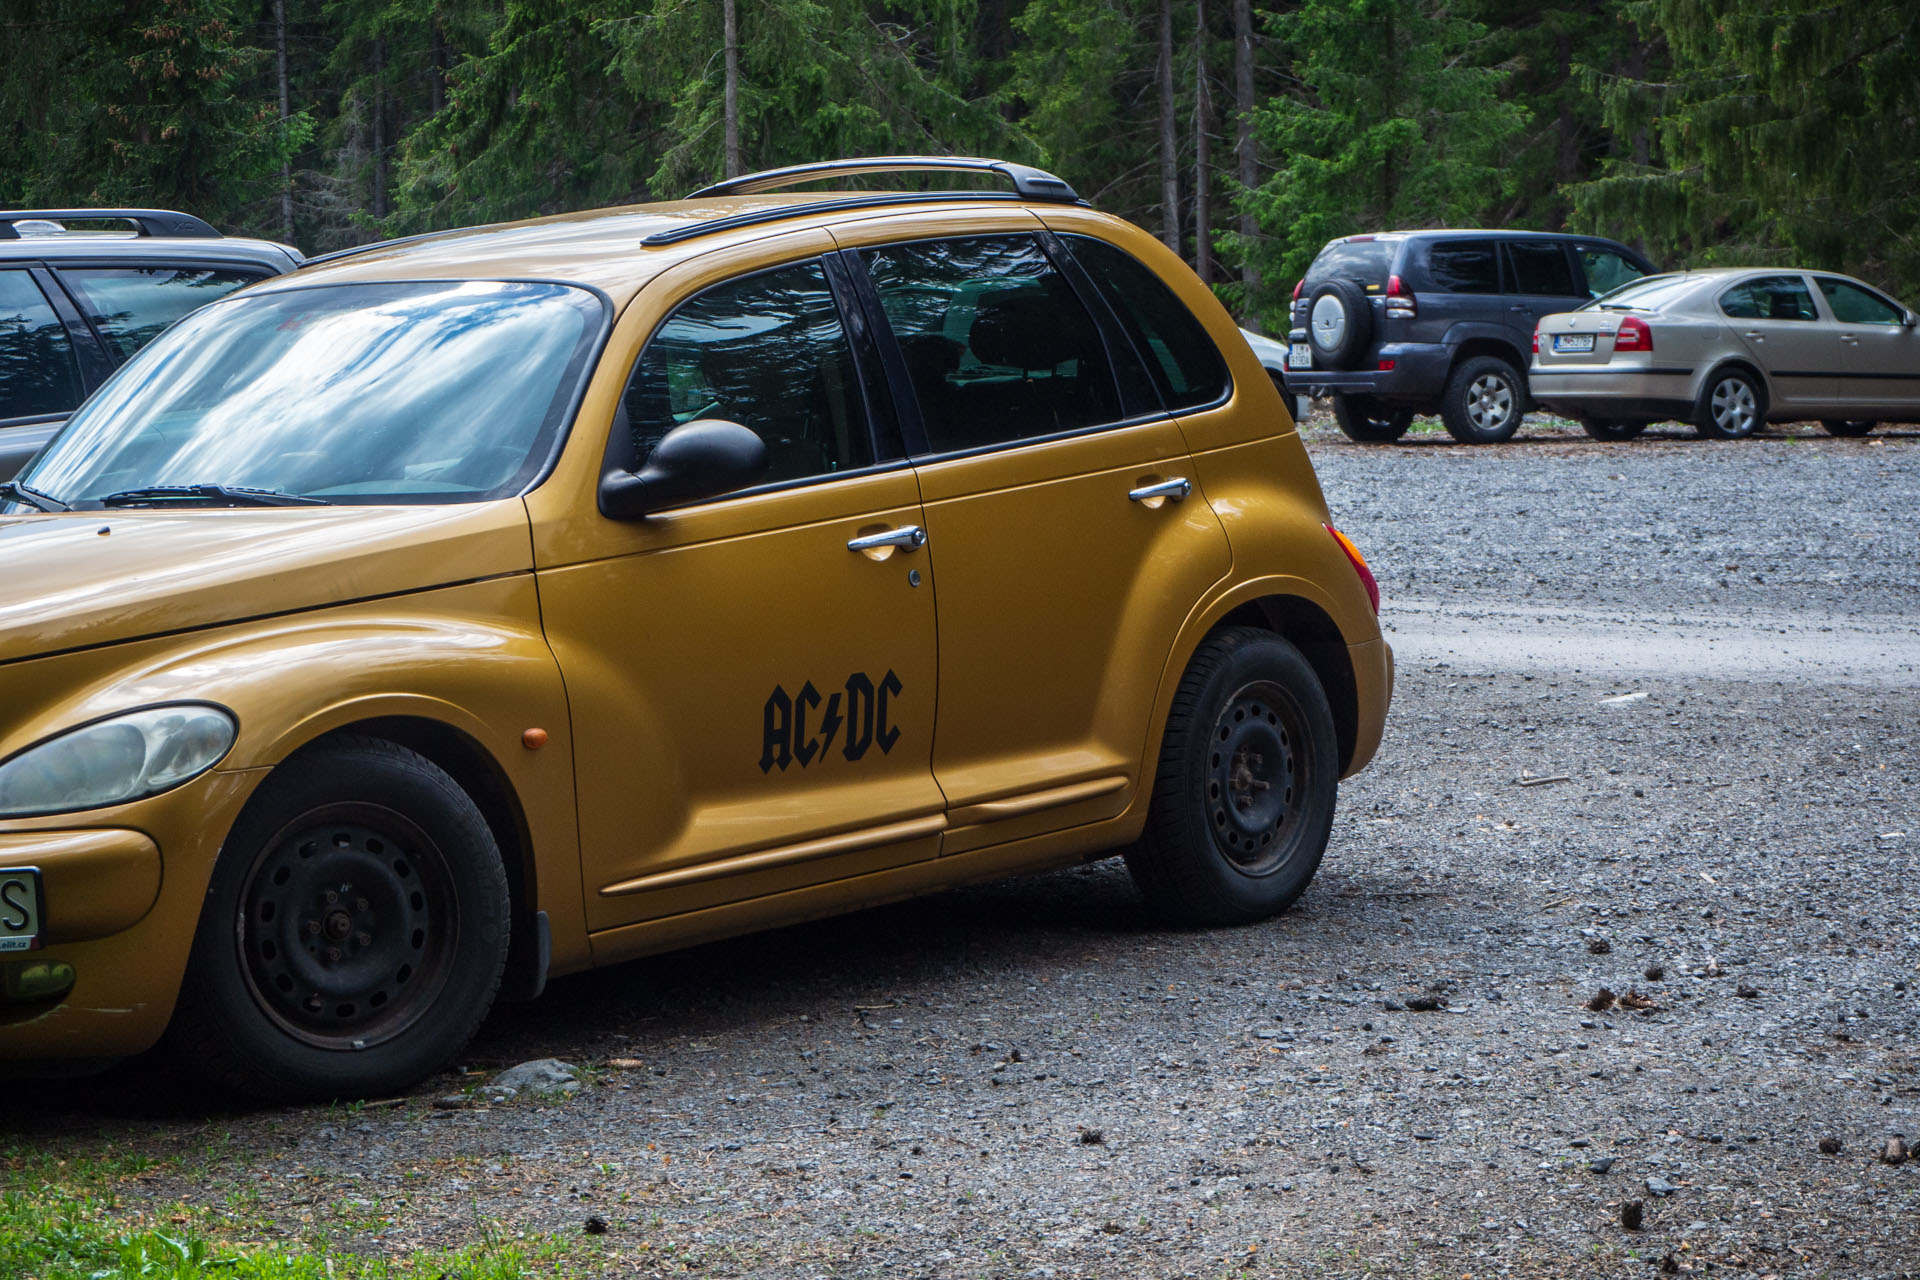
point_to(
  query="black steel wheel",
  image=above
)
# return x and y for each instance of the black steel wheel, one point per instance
(354, 933)
(1243, 798)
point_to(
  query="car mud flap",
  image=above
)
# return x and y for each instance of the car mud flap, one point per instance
(529, 956)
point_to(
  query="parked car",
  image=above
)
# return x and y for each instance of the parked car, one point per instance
(83, 289)
(1272, 356)
(1730, 350)
(498, 603)
(1407, 322)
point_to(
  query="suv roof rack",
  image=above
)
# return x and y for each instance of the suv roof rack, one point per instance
(1028, 182)
(159, 223)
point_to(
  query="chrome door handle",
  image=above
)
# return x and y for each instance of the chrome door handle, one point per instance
(1175, 489)
(907, 537)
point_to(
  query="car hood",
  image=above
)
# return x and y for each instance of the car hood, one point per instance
(74, 580)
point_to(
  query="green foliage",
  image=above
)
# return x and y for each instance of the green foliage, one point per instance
(1394, 125)
(1776, 133)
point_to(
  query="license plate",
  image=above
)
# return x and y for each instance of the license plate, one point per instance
(1299, 356)
(22, 910)
(1572, 342)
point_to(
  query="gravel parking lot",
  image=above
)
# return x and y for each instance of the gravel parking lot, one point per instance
(1610, 970)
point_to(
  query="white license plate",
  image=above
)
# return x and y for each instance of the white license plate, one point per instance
(1563, 342)
(22, 910)
(1299, 356)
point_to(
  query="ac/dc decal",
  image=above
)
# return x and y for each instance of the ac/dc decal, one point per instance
(802, 726)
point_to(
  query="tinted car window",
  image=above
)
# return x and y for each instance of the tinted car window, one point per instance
(767, 351)
(1540, 267)
(1367, 263)
(995, 341)
(131, 305)
(1853, 305)
(1605, 270)
(1184, 363)
(1769, 298)
(1463, 266)
(38, 377)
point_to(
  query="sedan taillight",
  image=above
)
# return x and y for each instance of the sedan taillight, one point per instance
(1635, 335)
(1536, 340)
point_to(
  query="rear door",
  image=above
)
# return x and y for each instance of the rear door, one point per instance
(1068, 536)
(1879, 352)
(1462, 288)
(1540, 282)
(1775, 319)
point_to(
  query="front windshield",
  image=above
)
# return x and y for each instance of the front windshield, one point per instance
(422, 392)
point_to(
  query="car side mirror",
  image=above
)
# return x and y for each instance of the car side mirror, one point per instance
(1909, 319)
(700, 459)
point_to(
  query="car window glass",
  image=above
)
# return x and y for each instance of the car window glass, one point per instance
(1463, 266)
(996, 343)
(1540, 267)
(1605, 270)
(1853, 305)
(1185, 364)
(131, 305)
(38, 377)
(766, 351)
(1769, 298)
(1365, 262)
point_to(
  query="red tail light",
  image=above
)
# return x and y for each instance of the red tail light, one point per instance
(1635, 335)
(1297, 286)
(1399, 301)
(1536, 342)
(1359, 566)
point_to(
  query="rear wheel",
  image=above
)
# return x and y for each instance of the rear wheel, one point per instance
(1243, 797)
(1366, 421)
(354, 933)
(1484, 401)
(1732, 406)
(1847, 428)
(1611, 428)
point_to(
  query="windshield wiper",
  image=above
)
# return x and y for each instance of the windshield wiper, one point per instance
(231, 495)
(33, 498)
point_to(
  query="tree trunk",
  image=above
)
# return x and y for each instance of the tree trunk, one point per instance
(437, 77)
(1243, 143)
(1169, 142)
(1202, 151)
(379, 126)
(286, 100)
(731, 103)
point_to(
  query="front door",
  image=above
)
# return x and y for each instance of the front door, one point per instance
(1070, 543)
(752, 679)
(1879, 352)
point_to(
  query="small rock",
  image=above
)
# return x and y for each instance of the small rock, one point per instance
(542, 1075)
(452, 1102)
(1632, 1214)
(1598, 946)
(1655, 972)
(1713, 970)
(1602, 1001)
(1746, 992)
(1895, 1152)
(1600, 1164)
(1426, 1004)
(1579, 1143)
(1429, 1137)
(1829, 1146)
(596, 1225)
(1659, 1186)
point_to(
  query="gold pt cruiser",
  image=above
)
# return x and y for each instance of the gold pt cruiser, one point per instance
(489, 605)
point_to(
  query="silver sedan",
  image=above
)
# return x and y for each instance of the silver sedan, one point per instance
(1730, 350)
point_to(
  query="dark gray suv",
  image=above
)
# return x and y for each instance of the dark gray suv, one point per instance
(1407, 322)
(83, 289)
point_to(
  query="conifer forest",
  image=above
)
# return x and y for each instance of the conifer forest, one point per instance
(1244, 132)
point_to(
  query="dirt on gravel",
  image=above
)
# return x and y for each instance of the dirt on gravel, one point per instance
(1432, 1066)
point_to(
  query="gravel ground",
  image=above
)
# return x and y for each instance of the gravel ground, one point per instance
(1030, 1079)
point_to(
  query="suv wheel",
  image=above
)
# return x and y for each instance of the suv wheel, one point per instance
(1732, 406)
(1244, 793)
(1339, 323)
(1367, 421)
(1484, 401)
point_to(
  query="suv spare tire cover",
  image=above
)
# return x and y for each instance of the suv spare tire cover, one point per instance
(1339, 323)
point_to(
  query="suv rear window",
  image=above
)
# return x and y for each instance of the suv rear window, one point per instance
(1367, 263)
(1463, 266)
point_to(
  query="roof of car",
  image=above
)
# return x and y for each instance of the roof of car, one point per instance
(1434, 232)
(115, 247)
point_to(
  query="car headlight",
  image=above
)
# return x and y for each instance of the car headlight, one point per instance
(124, 757)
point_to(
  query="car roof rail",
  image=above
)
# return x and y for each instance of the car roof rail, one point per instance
(1028, 182)
(158, 223)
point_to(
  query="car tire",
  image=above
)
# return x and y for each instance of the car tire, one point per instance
(1339, 323)
(1365, 420)
(1733, 405)
(1243, 798)
(1611, 428)
(1847, 428)
(354, 933)
(1484, 402)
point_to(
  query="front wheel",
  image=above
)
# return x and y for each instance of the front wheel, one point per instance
(354, 933)
(1244, 795)
(1611, 428)
(1484, 401)
(1847, 429)
(1732, 406)
(1365, 421)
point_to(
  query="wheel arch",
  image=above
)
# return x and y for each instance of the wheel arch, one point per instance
(1310, 629)
(1745, 366)
(1484, 346)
